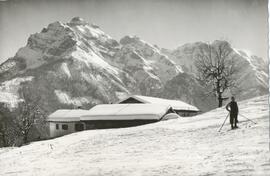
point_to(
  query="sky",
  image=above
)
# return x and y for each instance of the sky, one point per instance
(166, 23)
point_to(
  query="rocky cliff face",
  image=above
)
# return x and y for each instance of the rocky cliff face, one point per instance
(77, 64)
(67, 65)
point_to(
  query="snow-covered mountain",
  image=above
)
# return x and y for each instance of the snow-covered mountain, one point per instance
(252, 71)
(185, 146)
(73, 64)
(67, 64)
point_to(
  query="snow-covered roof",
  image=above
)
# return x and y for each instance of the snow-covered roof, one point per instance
(126, 112)
(66, 115)
(175, 104)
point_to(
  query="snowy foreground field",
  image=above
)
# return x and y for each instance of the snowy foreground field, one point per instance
(186, 146)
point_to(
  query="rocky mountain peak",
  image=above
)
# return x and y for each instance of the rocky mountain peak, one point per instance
(129, 40)
(51, 37)
(221, 42)
(57, 25)
(136, 42)
(76, 63)
(77, 21)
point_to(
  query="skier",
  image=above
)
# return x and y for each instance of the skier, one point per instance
(233, 109)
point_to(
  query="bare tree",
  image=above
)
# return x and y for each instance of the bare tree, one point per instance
(25, 117)
(16, 123)
(216, 69)
(8, 132)
(4, 113)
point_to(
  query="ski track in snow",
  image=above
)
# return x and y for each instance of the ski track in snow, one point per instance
(186, 146)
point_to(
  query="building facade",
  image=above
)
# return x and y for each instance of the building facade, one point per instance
(65, 121)
(104, 116)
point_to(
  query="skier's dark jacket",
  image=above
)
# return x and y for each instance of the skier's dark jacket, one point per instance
(233, 108)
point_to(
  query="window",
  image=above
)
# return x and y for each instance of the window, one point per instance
(65, 127)
(57, 126)
(79, 127)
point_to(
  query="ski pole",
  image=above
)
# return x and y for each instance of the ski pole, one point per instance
(223, 122)
(247, 118)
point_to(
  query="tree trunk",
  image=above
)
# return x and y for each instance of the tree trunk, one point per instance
(25, 139)
(219, 94)
(220, 100)
(3, 134)
(4, 142)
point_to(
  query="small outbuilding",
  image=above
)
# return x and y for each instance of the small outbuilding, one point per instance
(65, 121)
(181, 108)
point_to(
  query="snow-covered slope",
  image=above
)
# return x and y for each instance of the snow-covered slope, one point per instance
(164, 68)
(185, 146)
